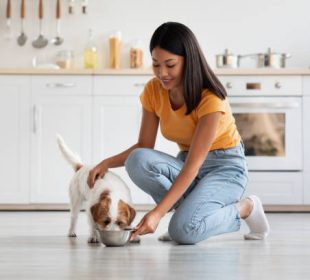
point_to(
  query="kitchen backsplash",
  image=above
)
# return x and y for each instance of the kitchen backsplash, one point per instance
(241, 26)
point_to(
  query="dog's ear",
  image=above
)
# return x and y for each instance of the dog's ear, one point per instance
(126, 212)
(101, 208)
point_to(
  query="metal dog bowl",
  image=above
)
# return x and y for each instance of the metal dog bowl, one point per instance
(115, 238)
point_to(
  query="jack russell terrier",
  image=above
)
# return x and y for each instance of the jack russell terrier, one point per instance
(107, 204)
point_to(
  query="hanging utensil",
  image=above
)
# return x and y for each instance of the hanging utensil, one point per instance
(41, 41)
(71, 7)
(57, 40)
(22, 38)
(84, 4)
(8, 33)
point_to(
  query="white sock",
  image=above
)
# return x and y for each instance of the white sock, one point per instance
(257, 221)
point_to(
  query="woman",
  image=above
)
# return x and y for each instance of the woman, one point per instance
(206, 180)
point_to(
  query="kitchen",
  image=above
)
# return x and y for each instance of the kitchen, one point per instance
(32, 97)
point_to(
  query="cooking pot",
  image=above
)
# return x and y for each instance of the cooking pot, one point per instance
(227, 60)
(271, 59)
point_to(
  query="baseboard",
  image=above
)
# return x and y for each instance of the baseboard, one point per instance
(138, 207)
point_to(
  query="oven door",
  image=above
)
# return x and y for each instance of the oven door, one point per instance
(270, 128)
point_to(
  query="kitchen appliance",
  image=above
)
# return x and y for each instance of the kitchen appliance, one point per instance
(227, 60)
(268, 114)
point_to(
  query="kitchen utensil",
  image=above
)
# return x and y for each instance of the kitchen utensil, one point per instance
(57, 40)
(22, 38)
(271, 59)
(227, 60)
(8, 33)
(84, 4)
(115, 238)
(41, 41)
(71, 7)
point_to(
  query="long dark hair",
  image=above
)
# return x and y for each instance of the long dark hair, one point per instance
(197, 76)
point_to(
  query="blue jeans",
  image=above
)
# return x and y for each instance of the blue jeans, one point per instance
(208, 207)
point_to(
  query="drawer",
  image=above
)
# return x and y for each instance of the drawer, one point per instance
(262, 85)
(120, 85)
(62, 85)
(276, 188)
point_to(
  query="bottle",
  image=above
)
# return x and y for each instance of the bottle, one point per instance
(115, 49)
(90, 53)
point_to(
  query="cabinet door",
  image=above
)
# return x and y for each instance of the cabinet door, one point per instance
(276, 188)
(116, 128)
(306, 146)
(14, 140)
(70, 116)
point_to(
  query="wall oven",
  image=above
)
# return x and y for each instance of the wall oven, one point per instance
(268, 114)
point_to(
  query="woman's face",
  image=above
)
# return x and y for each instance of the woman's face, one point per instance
(168, 68)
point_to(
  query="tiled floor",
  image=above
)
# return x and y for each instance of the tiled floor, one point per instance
(33, 245)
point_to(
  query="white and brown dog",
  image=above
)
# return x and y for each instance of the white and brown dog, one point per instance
(107, 204)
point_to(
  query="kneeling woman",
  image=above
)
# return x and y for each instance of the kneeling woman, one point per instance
(205, 182)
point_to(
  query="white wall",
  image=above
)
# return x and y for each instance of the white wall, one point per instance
(244, 26)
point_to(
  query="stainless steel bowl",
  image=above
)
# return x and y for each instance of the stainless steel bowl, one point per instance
(115, 238)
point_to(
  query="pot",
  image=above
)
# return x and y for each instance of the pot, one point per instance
(271, 59)
(227, 60)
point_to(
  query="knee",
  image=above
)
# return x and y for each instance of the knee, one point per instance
(136, 159)
(182, 231)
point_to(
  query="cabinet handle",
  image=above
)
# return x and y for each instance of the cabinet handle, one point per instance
(139, 84)
(277, 85)
(34, 119)
(229, 85)
(60, 85)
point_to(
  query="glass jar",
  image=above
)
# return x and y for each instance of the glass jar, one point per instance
(136, 55)
(115, 49)
(64, 59)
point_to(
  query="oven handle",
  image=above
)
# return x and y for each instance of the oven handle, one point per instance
(277, 105)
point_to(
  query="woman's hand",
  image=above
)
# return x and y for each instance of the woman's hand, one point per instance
(148, 224)
(97, 172)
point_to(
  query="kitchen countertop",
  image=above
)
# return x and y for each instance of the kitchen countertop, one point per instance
(148, 71)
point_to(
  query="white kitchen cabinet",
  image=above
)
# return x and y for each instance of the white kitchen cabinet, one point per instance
(14, 140)
(117, 115)
(276, 188)
(306, 137)
(60, 104)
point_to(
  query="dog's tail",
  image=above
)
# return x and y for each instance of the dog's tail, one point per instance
(71, 157)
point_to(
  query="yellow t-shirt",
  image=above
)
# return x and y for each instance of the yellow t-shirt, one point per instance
(178, 127)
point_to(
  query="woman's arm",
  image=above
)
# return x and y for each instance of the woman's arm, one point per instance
(146, 139)
(202, 140)
(199, 149)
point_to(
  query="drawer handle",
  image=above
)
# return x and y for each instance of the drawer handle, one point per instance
(139, 84)
(61, 85)
(253, 86)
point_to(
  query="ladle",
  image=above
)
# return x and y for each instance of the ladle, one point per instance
(22, 38)
(41, 41)
(57, 40)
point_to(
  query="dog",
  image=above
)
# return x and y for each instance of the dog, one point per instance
(107, 204)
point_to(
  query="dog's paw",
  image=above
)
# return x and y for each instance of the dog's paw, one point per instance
(165, 237)
(136, 240)
(93, 240)
(71, 234)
